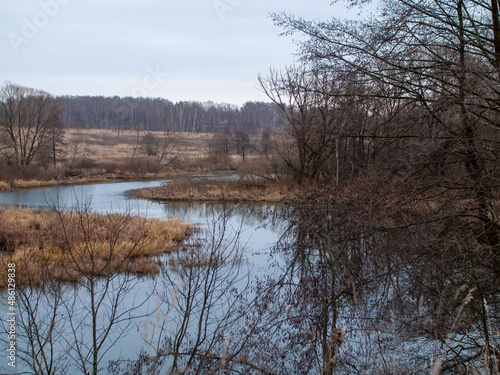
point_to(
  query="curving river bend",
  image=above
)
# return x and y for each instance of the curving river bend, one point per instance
(278, 293)
(256, 228)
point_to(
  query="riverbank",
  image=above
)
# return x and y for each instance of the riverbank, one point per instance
(29, 184)
(253, 189)
(48, 245)
(97, 155)
(83, 180)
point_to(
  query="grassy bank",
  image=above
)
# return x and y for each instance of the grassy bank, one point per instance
(47, 245)
(96, 155)
(35, 183)
(241, 190)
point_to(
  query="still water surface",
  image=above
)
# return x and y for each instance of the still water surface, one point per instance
(369, 286)
(257, 227)
(101, 197)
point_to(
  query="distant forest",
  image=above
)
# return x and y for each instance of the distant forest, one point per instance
(151, 114)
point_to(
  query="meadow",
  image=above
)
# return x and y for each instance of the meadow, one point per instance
(99, 155)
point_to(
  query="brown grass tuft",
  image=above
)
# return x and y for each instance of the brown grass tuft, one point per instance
(48, 245)
(244, 190)
(22, 184)
(4, 186)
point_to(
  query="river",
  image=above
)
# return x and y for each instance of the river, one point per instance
(261, 289)
(256, 226)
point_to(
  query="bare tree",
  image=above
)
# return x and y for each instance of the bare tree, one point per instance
(221, 142)
(266, 143)
(51, 150)
(306, 104)
(94, 316)
(41, 335)
(429, 72)
(204, 289)
(150, 144)
(163, 146)
(242, 143)
(435, 60)
(26, 117)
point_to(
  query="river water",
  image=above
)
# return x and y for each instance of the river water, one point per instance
(270, 285)
(100, 197)
(255, 225)
(257, 232)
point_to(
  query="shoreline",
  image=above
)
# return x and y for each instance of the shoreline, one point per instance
(252, 190)
(68, 244)
(20, 184)
(32, 184)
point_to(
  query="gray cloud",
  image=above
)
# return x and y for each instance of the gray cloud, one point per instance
(211, 49)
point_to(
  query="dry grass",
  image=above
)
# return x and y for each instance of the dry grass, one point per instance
(94, 155)
(245, 190)
(4, 186)
(32, 183)
(48, 245)
(108, 146)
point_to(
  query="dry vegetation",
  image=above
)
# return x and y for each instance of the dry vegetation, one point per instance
(248, 190)
(108, 153)
(68, 245)
(100, 146)
(4, 186)
(98, 155)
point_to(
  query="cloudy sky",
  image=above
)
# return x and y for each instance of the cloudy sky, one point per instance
(177, 49)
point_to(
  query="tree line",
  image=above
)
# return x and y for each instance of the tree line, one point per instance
(32, 122)
(156, 114)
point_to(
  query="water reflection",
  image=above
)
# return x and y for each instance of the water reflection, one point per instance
(354, 297)
(318, 288)
(56, 322)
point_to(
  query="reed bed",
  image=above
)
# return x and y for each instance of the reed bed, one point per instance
(4, 186)
(48, 245)
(244, 190)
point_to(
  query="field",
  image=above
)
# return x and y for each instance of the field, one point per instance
(109, 152)
(96, 155)
(104, 146)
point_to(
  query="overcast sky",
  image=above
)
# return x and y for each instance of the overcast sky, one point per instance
(179, 50)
